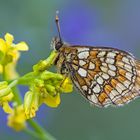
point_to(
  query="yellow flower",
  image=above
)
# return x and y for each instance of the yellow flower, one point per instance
(45, 87)
(7, 108)
(51, 101)
(9, 55)
(8, 48)
(10, 71)
(51, 95)
(17, 119)
(67, 85)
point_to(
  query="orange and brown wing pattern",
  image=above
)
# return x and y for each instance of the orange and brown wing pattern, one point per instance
(105, 76)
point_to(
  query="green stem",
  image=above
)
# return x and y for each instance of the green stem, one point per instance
(45, 135)
(17, 96)
(13, 84)
(50, 60)
(32, 133)
(45, 64)
(4, 72)
(26, 79)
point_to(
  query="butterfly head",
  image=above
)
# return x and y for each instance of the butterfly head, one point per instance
(57, 43)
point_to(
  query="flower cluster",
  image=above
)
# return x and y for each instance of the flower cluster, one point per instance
(45, 87)
(9, 55)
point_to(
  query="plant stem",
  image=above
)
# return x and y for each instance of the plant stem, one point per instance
(30, 132)
(45, 64)
(17, 96)
(4, 73)
(45, 135)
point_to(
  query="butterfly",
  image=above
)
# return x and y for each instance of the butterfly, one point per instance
(103, 75)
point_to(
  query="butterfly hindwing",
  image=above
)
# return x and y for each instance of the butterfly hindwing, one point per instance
(104, 75)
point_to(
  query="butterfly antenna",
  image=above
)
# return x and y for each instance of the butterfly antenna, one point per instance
(57, 25)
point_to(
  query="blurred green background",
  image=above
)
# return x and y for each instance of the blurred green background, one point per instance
(114, 23)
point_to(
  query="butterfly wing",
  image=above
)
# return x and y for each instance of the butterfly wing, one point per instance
(105, 76)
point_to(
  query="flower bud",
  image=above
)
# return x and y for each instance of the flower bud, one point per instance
(31, 104)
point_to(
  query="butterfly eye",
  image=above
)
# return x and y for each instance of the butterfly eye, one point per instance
(58, 45)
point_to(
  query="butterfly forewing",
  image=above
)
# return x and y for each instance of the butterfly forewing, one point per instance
(104, 76)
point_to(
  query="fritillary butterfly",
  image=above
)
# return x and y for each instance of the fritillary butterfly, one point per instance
(103, 75)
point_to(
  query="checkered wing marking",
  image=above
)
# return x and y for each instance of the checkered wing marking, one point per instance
(105, 76)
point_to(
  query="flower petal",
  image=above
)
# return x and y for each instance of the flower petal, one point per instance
(9, 38)
(3, 46)
(14, 54)
(52, 101)
(22, 46)
(6, 98)
(17, 119)
(10, 71)
(6, 107)
(67, 85)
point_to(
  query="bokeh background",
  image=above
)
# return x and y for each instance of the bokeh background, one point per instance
(114, 23)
